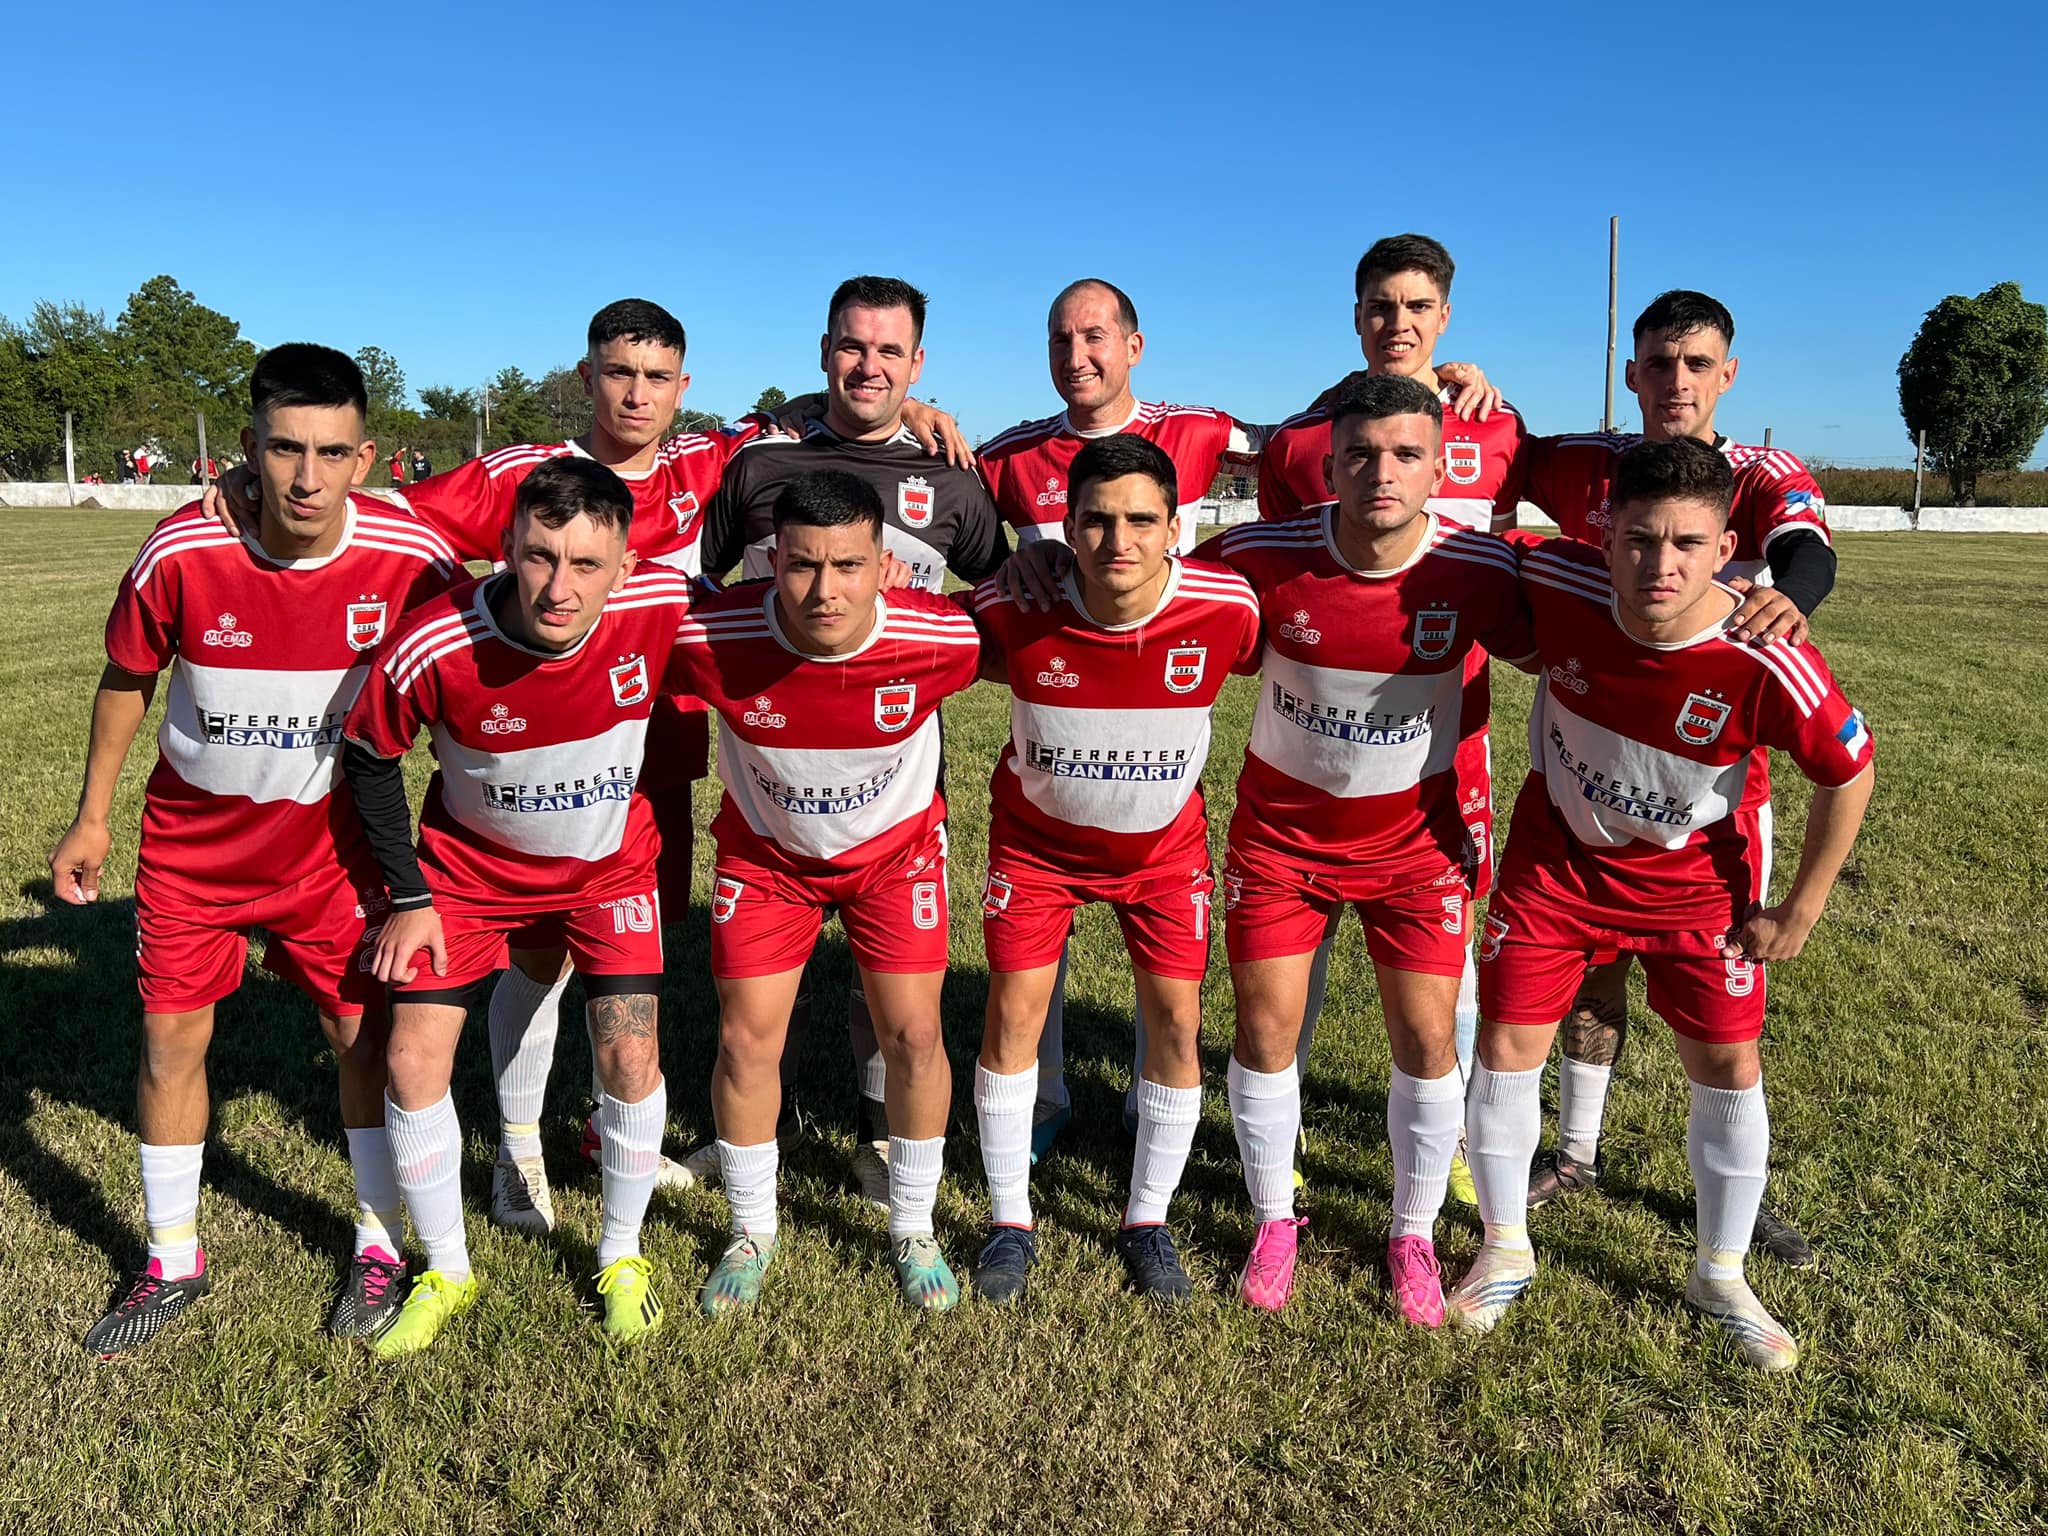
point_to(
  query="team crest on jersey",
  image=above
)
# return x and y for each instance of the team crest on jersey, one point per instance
(725, 897)
(1700, 719)
(1184, 667)
(995, 894)
(365, 624)
(1490, 938)
(629, 681)
(1435, 629)
(895, 703)
(914, 502)
(1461, 463)
(684, 508)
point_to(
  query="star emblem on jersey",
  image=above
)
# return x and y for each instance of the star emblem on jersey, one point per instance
(764, 715)
(895, 703)
(1435, 629)
(366, 619)
(629, 682)
(1700, 719)
(502, 722)
(1057, 676)
(1184, 667)
(915, 502)
(1461, 463)
(1300, 631)
(228, 635)
(684, 509)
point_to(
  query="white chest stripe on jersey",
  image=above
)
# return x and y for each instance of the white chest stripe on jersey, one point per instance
(568, 800)
(1119, 770)
(269, 736)
(1354, 733)
(1612, 790)
(821, 804)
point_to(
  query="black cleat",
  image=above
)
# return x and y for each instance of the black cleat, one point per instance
(1152, 1264)
(1004, 1265)
(1552, 1175)
(1782, 1241)
(370, 1297)
(147, 1307)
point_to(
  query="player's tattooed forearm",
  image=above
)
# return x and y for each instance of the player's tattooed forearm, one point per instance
(627, 1017)
(1595, 1034)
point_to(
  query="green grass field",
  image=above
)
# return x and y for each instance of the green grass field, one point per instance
(1905, 1056)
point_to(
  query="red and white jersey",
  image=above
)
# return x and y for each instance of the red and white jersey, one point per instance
(472, 503)
(1647, 774)
(1109, 726)
(1571, 478)
(1479, 457)
(830, 763)
(269, 656)
(1354, 747)
(1026, 467)
(531, 808)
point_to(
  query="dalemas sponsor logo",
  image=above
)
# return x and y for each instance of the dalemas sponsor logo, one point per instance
(225, 728)
(995, 894)
(228, 635)
(1054, 494)
(1057, 676)
(1700, 719)
(764, 715)
(1299, 630)
(1601, 516)
(1617, 794)
(683, 509)
(366, 618)
(1567, 676)
(563, 794)
(502, 722)
(1435, 630)
(1184, 667)
(629, 681)
(915, 502)
(1134, 765)
(824, 799)
(1359, 727)
(895, 704)
(1461, 463)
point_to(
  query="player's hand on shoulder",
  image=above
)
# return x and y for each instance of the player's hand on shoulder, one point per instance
(232, 500)
(1472, 397)
(1766, 614)
(791, 419)
(1771, 933)
(935, 430)
(1032, 575)
(896, 574)
(76, 861)
(404, 935)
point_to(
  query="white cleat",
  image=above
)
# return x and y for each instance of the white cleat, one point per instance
(871, 1172)
(1496, 1278)
(520, 1197)
(697, 1168)
(1758, 1337)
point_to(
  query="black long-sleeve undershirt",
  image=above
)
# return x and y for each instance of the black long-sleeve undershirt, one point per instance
(1803, 568)
(378, 784)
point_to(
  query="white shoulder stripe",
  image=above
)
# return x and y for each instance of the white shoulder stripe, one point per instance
(460, 640)
(158, 550)
(1576, 589)
(1765, 659)
(425, 637)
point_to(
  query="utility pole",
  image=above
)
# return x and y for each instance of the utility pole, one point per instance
(70, 465)
(204, 478)
(1919, 474)
(1613, 293)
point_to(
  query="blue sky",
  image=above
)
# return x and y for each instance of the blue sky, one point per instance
(1830, 172)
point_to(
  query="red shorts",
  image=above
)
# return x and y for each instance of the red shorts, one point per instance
(188, 956)
(1270, 913)
(766, 921)
(1026, 910)
(1532, 960)
(617, 937)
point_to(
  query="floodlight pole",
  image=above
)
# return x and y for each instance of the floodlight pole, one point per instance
(1613, 291)
(1919, 474)
(70, 466)
(205, 479)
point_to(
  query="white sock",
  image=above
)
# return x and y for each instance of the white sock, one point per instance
(1167, 1118)
(630, 1135)
(379, 1222)
(525, 1017)
(1002, 1108)
(748, 1174)
(1467, 1035)
(1052, 1041)
(1424, 1118)
(426, 1154)
(914, 1168)
(1137, 1060)
(1728, 1144)
(1581, 1107)
(170, 1207)
(1266, 1110)
(1503, 1123)
(1318, 994)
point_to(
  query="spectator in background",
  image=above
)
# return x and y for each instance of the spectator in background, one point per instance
(398, 466)
(124, 467)
(205, 473)
(420, 467)
(143, 465)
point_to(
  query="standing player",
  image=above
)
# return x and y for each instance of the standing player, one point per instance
(1098, 798)
(1642, 828)
(245, 823)
(1681, 368)
(827, 692)
(1350, 797)
(537, 684)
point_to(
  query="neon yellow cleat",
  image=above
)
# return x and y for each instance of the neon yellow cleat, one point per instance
(630, 1308)
(434, 1299)
(1461, 1188)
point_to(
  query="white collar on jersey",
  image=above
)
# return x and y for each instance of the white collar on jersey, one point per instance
(1073, 590)
(311, 562)
(578, 451)
(481, 604)
(783, 640)
(1428, 541)
(1719, 625)
(1067, 422)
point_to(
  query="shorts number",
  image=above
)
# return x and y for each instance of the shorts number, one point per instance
(1201, 901)
(1481, 859)
(924, 903)
(633, 914)
(1454, 916)
(1741, 978)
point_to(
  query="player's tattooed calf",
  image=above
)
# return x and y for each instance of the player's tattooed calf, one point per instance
(1597, 1027)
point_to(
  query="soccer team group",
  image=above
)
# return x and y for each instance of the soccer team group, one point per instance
(312, 633)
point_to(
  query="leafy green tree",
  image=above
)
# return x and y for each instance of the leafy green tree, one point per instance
(772, 400)
(698, 421)
(180, 356)
(62, 359)
(383, 378)
(517, 413)
(568, 408)
(444, 402)
(1976, 380)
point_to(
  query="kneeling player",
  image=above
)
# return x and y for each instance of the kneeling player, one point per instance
(1098, 798)
(537, 684)
(827, 692)
(245, 823)
(1639, 831)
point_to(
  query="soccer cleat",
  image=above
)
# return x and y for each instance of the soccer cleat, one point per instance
(1552, 1174)
(1151, 1262)
(1495, 1279)
(433, 1300)
(520, 1197)
(1047, 1121)
(1461, 1188)
(1300, 1162)
(1782, 1241)
(923, 1276)
(703, 1166)
(1267, 1279)
(369, 1296)
(734, 1283)
(1003, 1268)
(668, 1173)
(1417, 1280)
(871, 1172)
(630, 1308)
(1757, 1336)
(145, 1309)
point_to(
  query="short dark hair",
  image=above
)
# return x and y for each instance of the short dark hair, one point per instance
(1380, 395)
(1682, 469)
(569, 487)
(828, 498)
(1405, 253)
(1120, 454)
(306, 373)
(1126, 311)
(636, 320)
(878, 293)
(1681, 311)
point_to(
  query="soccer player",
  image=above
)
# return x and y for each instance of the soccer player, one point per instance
(1681, 368)
(245, 823)
(827, 692)
(1098, 797)
(1350, 796)
(935, 518)
(1642, 828)
(537, 684)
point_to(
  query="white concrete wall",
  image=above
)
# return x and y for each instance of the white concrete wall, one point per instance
(1841, 519)
(130, 498)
